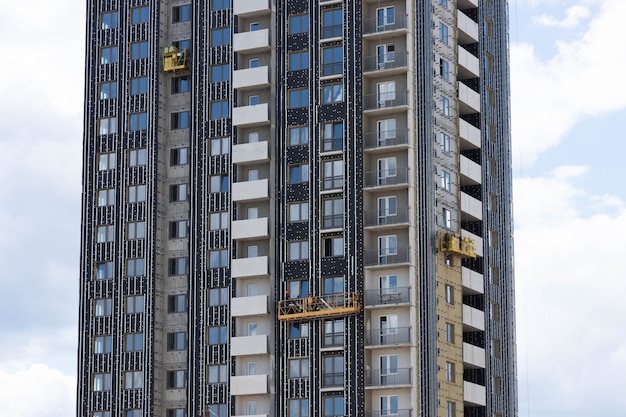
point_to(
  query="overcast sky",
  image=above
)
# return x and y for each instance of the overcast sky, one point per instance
(569, 109)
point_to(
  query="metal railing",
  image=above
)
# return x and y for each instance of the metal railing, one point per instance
(379, 337)
(398, 376)
(383, 296)
(389, 413)
(386, 256)
(399, 175)
(384, 217)
(377, 25)
(386, 61)
(386, 100)
(386, 138)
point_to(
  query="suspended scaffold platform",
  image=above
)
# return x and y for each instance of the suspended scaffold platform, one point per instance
(463, 247)
(174, 59)
(342, 304)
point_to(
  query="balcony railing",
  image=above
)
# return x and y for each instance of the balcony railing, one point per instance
(379, 337)
(389, 413)
(385, 217)
(377, 377)
(377, 25)
(383, 296)
(390, 256)
(381, 178)
(386, 100)
(386, 61)
(386, 138)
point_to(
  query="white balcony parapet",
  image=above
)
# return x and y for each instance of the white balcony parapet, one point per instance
(478, 241)
(473, 318)
(467, 26)
(249, 306)
(473, 355)
(474, 394)
(251, 78)
(250, 8)
(469, 133)
(255, 115)
(250, 229)
(251, 190)
(471, 206)
(469, 61)
(249, 153)
(469, 97)
(471, 170)
(248, 385)
(249, 267)
(252, 42)
(473, 280)
(249, 345)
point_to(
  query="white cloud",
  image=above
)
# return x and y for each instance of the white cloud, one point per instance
(570, 285)
(581, 80)
(573, 16)
(36, 391)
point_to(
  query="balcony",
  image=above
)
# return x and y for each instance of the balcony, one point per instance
(249, 267)
(389, 413)
(384, 27)
(384, 337)
(252, 42)
(478, 241)
(251, 8)
(386, 64)
(386, 102)
(469, 65)
(468, 29)
(472, 281)
(248, 385)
(382, 218)
(250, 229)
(395, 178)
(381, 378)
(473, 356)
(251, 153)
(249, 306)
(380, 257)
(471, 206)
(469, 100)
(249, 345)
(471, 171)
(251, 190)
(250, 78)
(385, 296)
(386, 139)
(469, 133)
(473, 318)
(474, 394)
(250, 116)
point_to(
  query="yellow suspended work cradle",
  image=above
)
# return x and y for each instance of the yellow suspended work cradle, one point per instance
(174, 60)
(340, 304)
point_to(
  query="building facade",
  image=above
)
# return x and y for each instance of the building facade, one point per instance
(297, 208)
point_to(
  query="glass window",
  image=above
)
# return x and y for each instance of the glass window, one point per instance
(445, 180)
(299, 368)
(445, 142)
(333, 333)
(137, 157)
(108, 54)
(388, 405)
(180, 120)
(138, 85)
(298, 212)
(218, 374)
(105, 234)
(136, 230)
(254, 26)
(332, 174)
(108, 90)
(220, 73)
(332, 60)
(181, 13)
(178, 266)
(133, 413)
(332, 23)
(109, 20)
(134, 304)
(218, 296)
(139, 15)
(106, 161)
(298, 98)
(298, 135)
(332, 93)
(253, 100)
(220, 146)
(180, 84)
(298, 60)
(179, 229)
(298, 407)
(298, 24)
(107, 125)
(136, 193)
(220, 109)
(179, 156)
(176, 379)
(106, 197)
(102, 382)
(332, 136)
(103, 307)
(220, 4)
(387, 249)
(218, 183)
(298, 173)
(138, 121)
(218, 335)
(298, 330)
(333, 246)
(177, 341)
(449, 333)
(135, 267)
(102, 414)
(104, 270)
(385, 16)
(333, 285)
(253, 63)
(220, 36)
(450, 372)
(298, 250)
(444, 69)
(218, 258)
(298, 288)
(134, 342)
(102, 344)
(333, 213)
(133, 380)
(333, 372)
(450, 409)
(219, 220)
(179, 192)
(443, 33)
(177, 303)
(139, 50)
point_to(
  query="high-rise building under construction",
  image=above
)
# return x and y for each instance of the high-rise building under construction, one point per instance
(297, 208)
